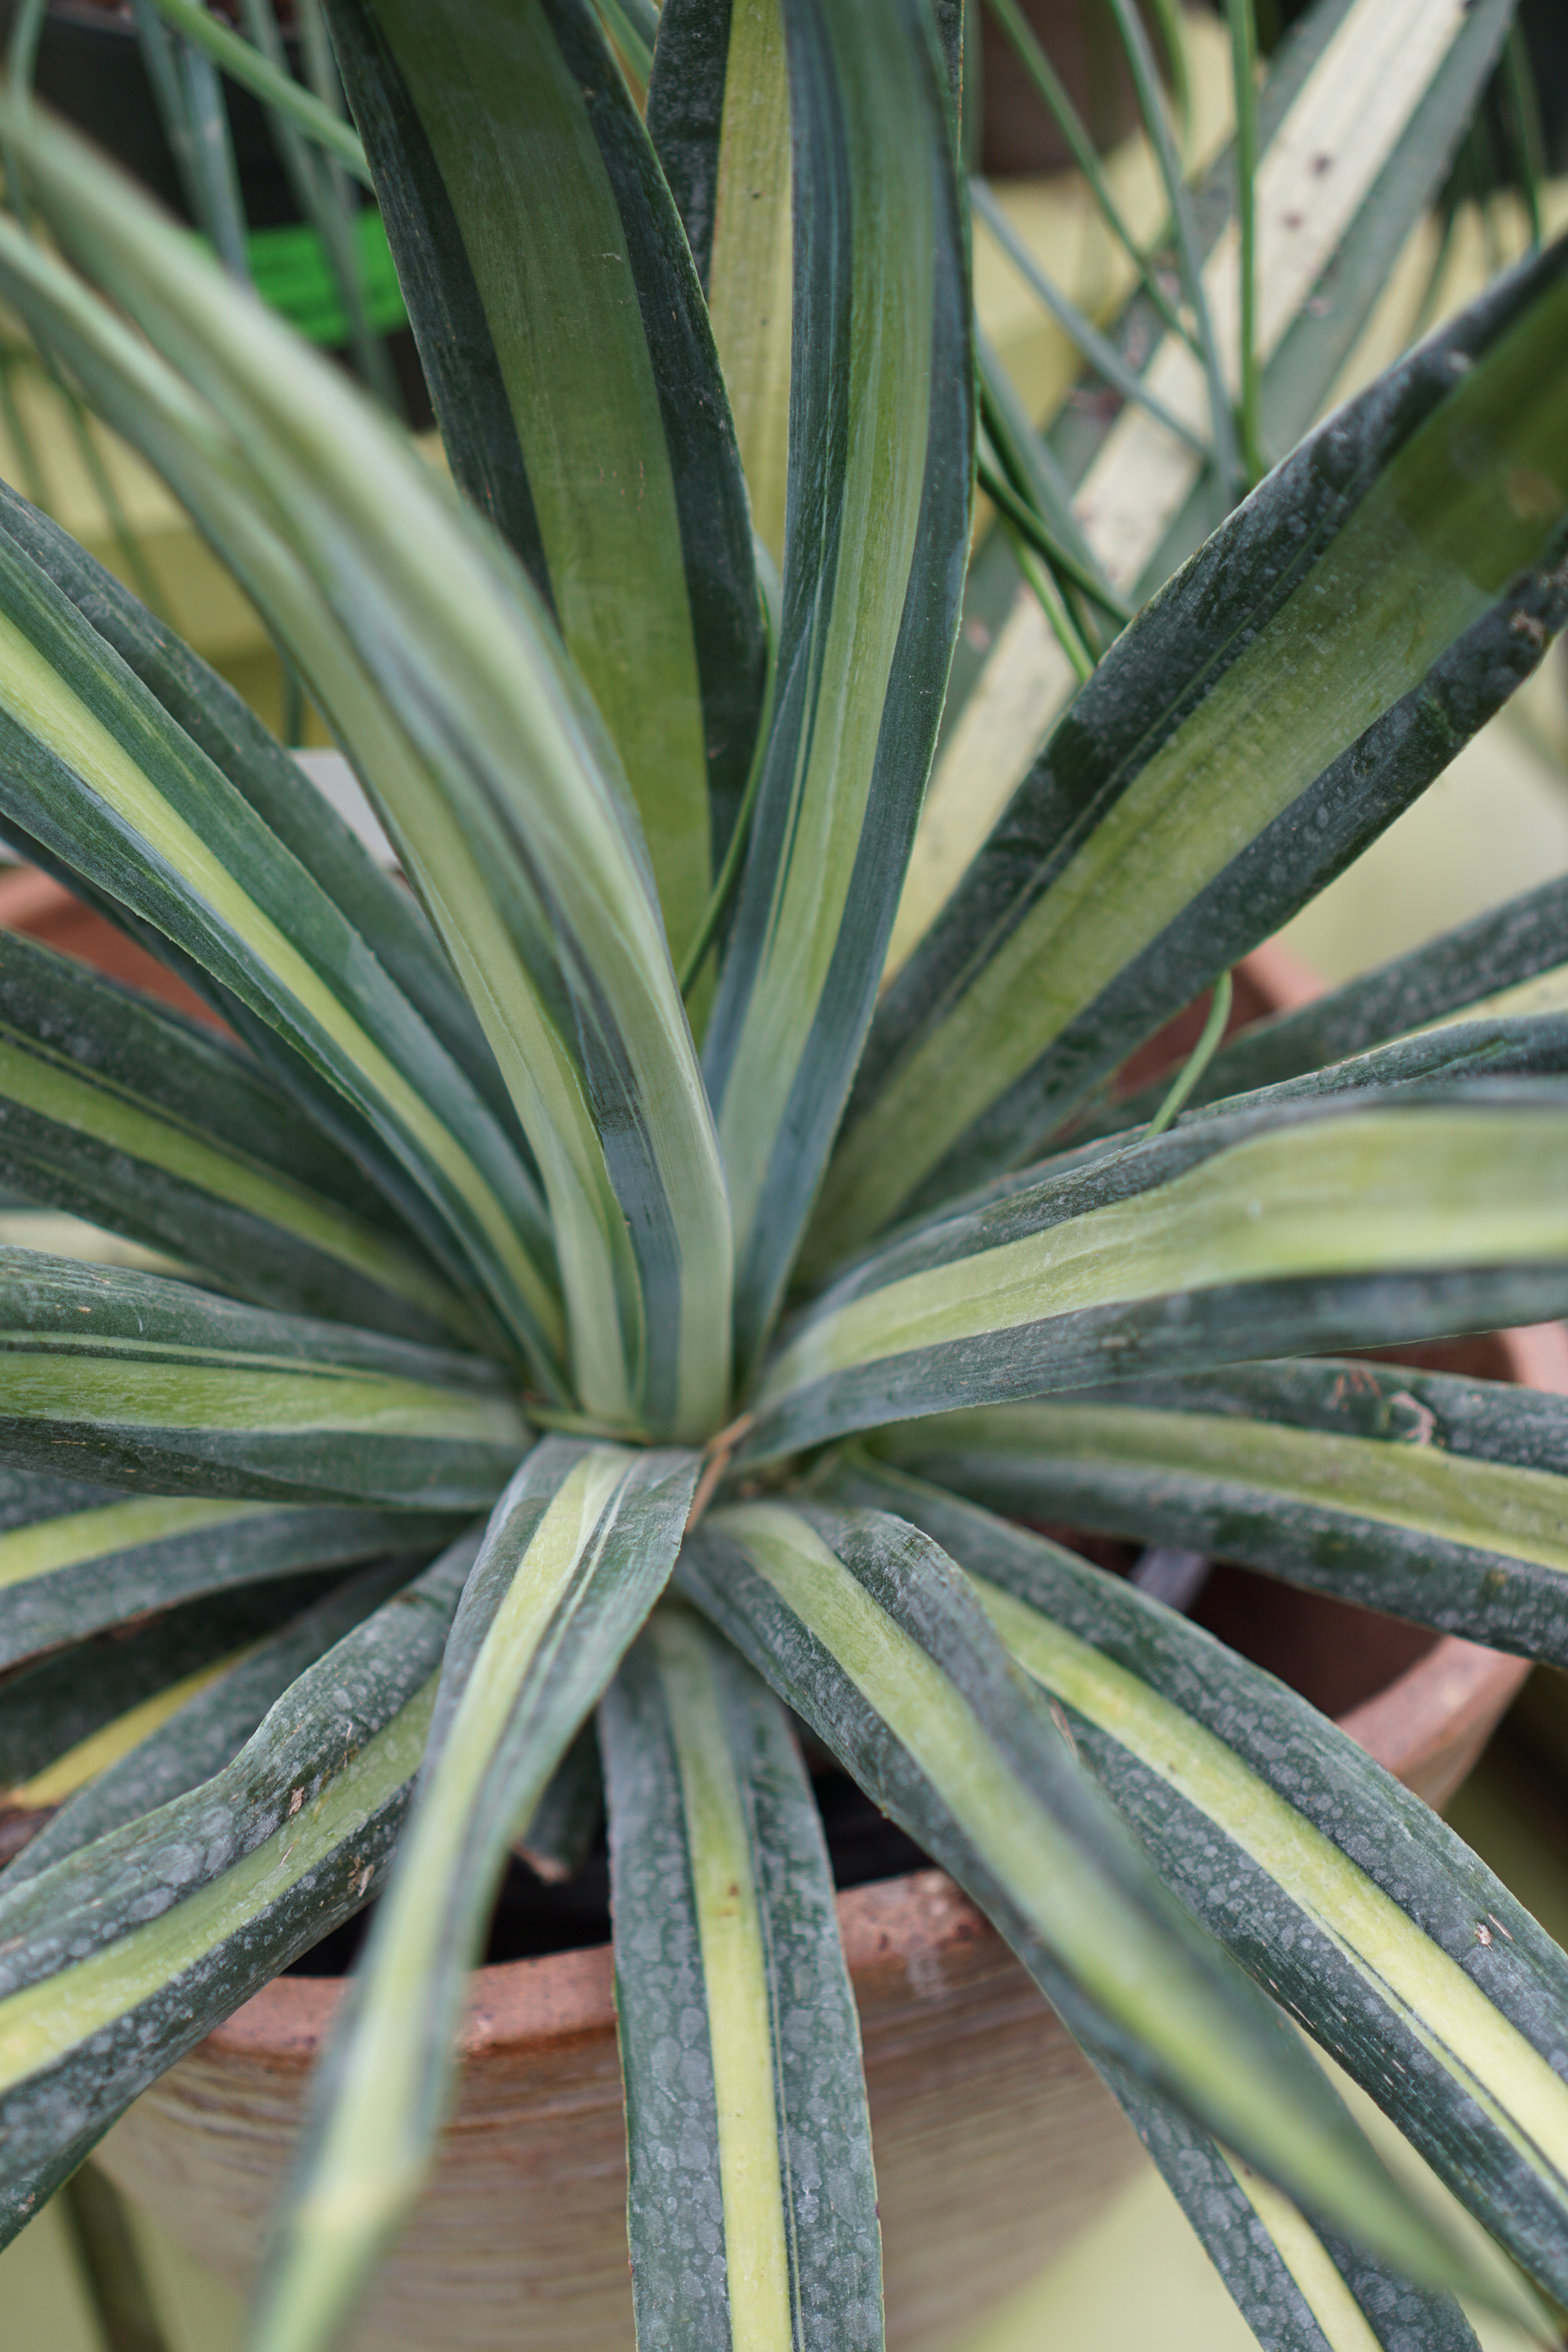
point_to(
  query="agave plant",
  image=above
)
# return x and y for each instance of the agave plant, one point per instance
(592, 1187)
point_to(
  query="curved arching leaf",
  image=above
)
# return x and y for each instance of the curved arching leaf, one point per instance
(222, 725)
(94, 767)
(148, 1383)
(1345, 1895)
(1439, 1499)
(1205, 785)
(118, 1110)
(76, 1558)
(562, 326)
(577, 1552)
(423, 643)
(202, 1733)
(1345, 1220)
(1512, 961)
(865, 1627)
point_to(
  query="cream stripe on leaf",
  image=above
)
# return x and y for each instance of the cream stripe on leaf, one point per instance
(576, 1552)
(65, 1573)
(1512, 961)
(208, 1725)
(95, 770)
(486, 758)
(118, 1958)
(579, 392)
(719, 117)
(1346, 1221)
(223, 725)
(1299, 2290)
(764, 2238)
(1203, 785)
(116, 1110)
(1442, 1500)
(868, 1631)
(149, 1383)
(1353, 1903)
(881, 441)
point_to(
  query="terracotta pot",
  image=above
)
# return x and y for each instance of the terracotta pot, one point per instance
(996, 2143)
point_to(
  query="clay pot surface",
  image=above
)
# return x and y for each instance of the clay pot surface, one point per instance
(995, 2141)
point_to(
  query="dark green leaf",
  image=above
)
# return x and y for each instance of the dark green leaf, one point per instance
(1205, 785)
(577, 1552)
(562, 326)
(119, 1111)
(1340, 1891)
(881, 438)
(764, 2230)
(1512, 960)
(203, 1734)
(120, 1956)
(863, 1626)
(1347, 1221)
(1436, 1499)
(68, 1567)
(151, 1384)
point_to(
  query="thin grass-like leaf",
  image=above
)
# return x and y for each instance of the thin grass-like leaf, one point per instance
(278, 91)
(723, 1910)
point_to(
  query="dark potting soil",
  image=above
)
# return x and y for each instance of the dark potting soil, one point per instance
(532, 1917)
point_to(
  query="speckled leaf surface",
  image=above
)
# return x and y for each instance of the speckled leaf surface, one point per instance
(753, 2201)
